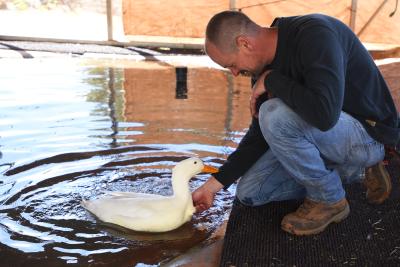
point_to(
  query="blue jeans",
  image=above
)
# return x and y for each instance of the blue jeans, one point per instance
(304, 161)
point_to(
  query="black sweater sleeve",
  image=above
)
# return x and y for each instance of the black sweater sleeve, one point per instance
(318, 96)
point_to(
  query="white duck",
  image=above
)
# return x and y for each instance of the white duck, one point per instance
(150, 212)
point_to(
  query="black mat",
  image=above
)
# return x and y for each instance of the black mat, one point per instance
(370, 236)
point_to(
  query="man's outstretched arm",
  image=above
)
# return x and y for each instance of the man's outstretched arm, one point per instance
(203, 197)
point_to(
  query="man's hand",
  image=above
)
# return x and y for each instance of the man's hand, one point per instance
(203, 197)
(258, 89)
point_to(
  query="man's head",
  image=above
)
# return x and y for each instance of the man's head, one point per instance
(233, 41)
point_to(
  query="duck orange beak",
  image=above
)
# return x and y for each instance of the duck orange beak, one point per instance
(209, 169)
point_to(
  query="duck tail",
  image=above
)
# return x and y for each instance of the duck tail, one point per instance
(85, 204)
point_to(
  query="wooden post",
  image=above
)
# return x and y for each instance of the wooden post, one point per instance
(109, 20)
(353, 15)
(232, 5)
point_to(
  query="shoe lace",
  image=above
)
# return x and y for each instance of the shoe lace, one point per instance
(306, 207)
(370, 177)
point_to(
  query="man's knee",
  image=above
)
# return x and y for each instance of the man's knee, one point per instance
(277, 119)
(272, 116)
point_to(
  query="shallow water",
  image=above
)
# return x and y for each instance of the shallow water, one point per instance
(73, 129)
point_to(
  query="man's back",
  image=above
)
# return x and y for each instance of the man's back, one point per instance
(335, 72)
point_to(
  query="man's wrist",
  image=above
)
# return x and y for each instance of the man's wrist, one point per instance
(213, 185)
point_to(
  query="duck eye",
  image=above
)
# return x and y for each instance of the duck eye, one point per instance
(195, 162)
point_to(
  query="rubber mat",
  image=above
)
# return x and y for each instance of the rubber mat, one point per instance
(370, 236)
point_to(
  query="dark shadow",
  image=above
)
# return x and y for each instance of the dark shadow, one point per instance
(181, 83)
(180, 51)
(166, 51)
(23, 53)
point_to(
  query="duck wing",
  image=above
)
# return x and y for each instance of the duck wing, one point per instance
(109, 207)
(131, 195)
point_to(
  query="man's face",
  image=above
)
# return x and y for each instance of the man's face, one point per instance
(242, 61)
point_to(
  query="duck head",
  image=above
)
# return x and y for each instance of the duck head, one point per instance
(192, 166)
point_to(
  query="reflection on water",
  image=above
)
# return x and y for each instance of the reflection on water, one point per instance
(181, 82)
(71, 131)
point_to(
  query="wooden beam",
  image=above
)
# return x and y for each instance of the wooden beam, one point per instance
(353, 15)
(372, 18)
(232, 5)
(109, 20)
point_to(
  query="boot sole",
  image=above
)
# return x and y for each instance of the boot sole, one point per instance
(387, 180)
(337, 218)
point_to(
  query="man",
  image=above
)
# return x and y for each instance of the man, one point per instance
(328, 116)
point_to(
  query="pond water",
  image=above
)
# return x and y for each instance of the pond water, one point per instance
(73, 129)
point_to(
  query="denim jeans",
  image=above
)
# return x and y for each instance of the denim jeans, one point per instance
(303, 161)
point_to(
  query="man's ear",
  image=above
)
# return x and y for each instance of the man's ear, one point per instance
(242, 42)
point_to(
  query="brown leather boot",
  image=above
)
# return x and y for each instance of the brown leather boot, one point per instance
(313, 217)
(378, 183)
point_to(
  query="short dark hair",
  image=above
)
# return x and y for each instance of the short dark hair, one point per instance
(224, 27)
